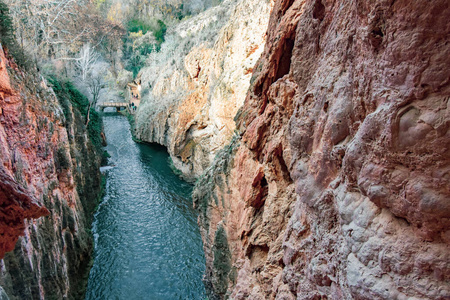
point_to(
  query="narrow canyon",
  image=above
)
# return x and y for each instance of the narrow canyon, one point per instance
(316, 134)
(47, 202)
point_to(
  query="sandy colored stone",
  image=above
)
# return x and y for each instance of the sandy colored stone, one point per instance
(202, 93)
(347, 119)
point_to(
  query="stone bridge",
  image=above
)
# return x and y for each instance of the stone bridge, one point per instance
(117, 105)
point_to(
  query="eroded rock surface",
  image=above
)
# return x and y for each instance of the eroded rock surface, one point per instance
(49, 185)
(16, 206)
(198, 88)
(339, 185)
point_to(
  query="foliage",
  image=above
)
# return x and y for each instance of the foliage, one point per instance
(63, 101)
(68, 95)
(134, 64)
(158, 29)
(95, 127)
(62, 162)
(160, 32)
(77, 99)
(7, 37)
(146, 49)
(105, 156)
(6, 29)
(137, 45)
(222, 260)
(136, 25)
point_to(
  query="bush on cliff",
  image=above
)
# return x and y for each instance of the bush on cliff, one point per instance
(8, 40)
(68, 93)
(137, 45)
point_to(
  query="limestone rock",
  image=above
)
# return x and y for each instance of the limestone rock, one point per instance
(195, 90)
(339, 185)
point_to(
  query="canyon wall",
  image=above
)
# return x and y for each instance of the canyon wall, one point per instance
(338, 185)
(50, 184)
(193, 88)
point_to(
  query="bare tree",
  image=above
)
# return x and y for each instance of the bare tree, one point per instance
(48, 23)
(86, 60)
(55, 28)
(95, 83)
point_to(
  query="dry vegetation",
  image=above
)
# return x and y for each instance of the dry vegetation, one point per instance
(100, 43)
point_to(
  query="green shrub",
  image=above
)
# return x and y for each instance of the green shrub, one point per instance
(95, 128)
(146, 49)
(222, 260)
(69, 96)
(63, 101)
(160, 32)
(105, 156)
(62, 161)
(135, 57)
(77, 98)
(136, 25)
(6, 26)
(8, 40)
(134, 64)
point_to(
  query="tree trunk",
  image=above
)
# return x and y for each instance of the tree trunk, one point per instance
(88, 112)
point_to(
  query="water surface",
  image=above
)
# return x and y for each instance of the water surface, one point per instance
(147, 242)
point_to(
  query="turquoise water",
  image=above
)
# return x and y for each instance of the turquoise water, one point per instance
(147, 242)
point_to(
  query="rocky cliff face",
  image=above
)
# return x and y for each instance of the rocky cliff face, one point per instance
(49, 188)
(338, 187)
(200, 80)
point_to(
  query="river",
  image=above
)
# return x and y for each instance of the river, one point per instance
(147, 242)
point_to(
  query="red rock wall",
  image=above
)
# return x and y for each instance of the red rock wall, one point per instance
(46, 160)
(17, 204)
(339, 185)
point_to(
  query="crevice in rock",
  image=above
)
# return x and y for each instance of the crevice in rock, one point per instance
(285, 6)
(284, 64)
(257, 255)
(263, 191)
(325, 106)
(284, 169)
(377, 31)
(279, 163)
(319, 10)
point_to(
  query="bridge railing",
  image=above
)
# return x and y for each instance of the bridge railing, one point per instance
(117, 105)
(112, 104)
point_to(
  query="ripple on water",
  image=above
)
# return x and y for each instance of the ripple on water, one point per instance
(147, 243)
